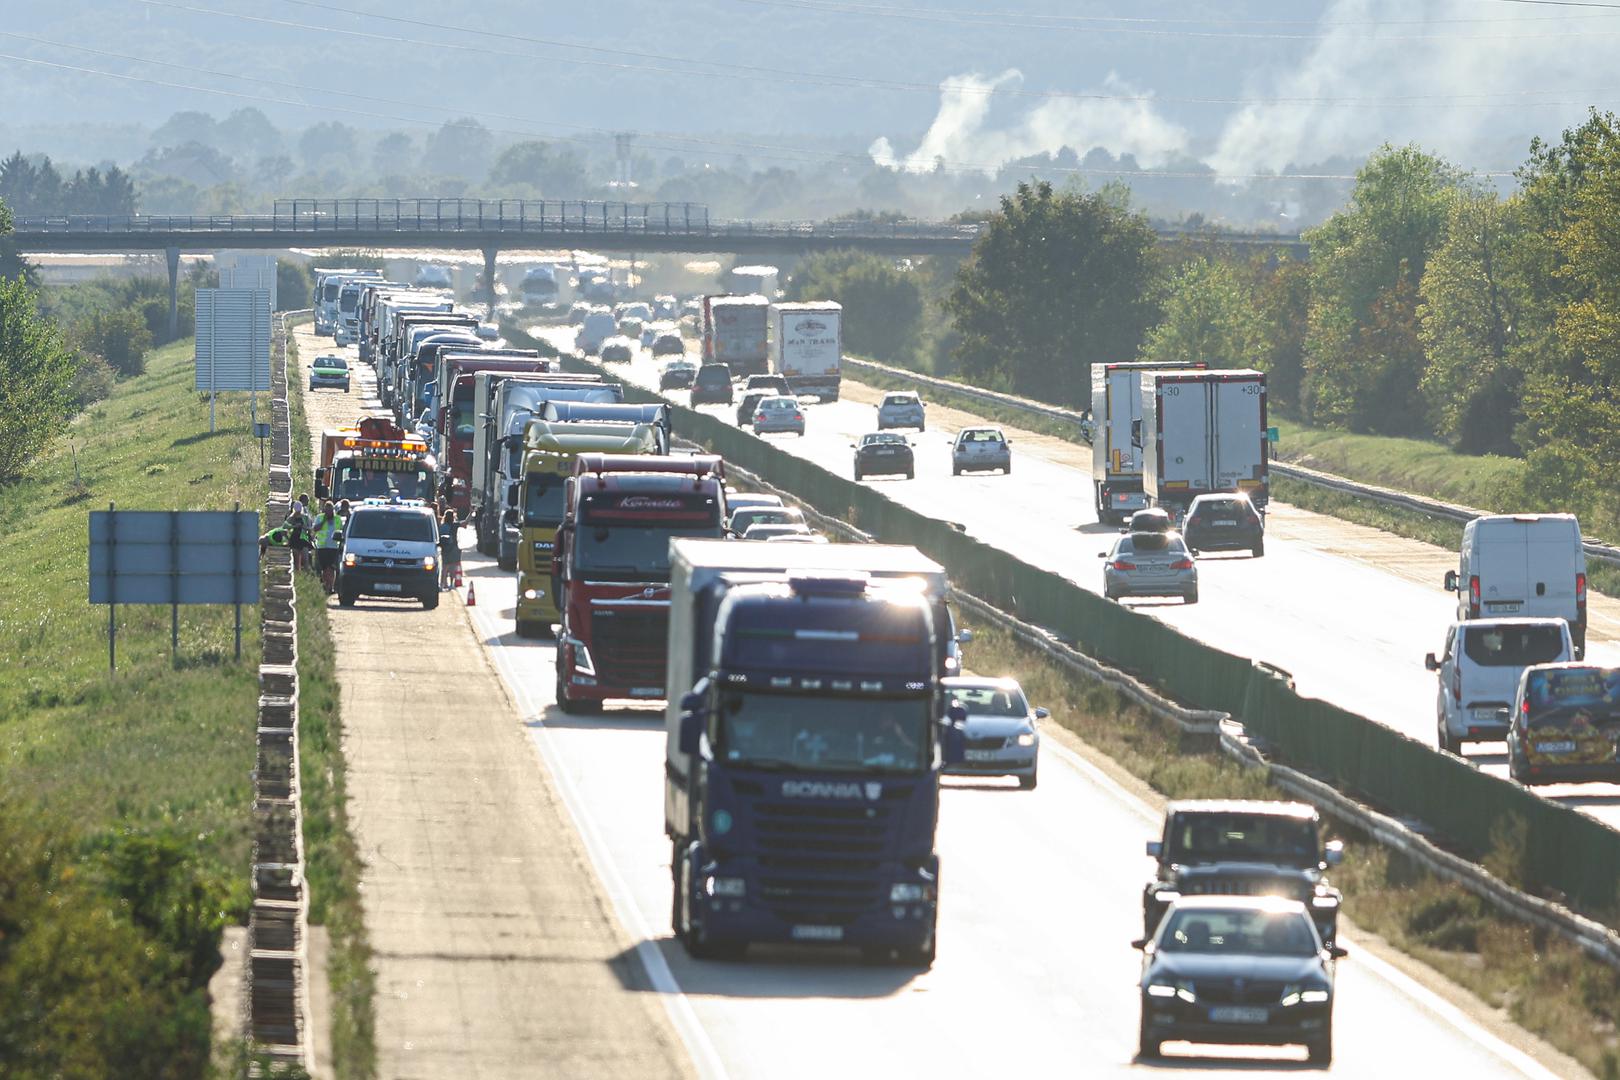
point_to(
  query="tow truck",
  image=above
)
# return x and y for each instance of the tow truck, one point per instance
(374, 459)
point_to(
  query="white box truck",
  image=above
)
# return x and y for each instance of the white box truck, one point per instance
(1523, 565)
(807, 347)
(1203, 432)
(1116, 462)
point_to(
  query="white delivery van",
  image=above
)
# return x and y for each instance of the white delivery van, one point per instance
(1526, 565)
(596, 328)
(1479, 672)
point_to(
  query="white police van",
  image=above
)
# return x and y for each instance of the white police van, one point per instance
(390, 548)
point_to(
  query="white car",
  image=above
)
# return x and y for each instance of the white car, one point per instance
(1478, 674)
(1001, 732)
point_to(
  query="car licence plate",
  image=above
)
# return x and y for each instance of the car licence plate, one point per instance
(1504, 607)
(1238, 1014)
(818, 933)
(389, 586)
(981, 755)
(1224, 524)
(1488, 715)
(1563, 747)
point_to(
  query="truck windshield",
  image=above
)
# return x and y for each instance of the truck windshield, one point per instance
(818, 734)
(461, 413)
(543, 499)
(1195, 838)
(355, 483)
(630, 552)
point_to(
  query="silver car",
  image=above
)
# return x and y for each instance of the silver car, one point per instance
(767, 530)
(1149, 564)
(901, 408)
(980, 449)
(778, 414)
(1000, 729)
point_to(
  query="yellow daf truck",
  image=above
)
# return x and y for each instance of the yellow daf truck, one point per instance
(549, 450)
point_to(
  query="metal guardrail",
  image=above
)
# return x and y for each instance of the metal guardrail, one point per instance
(1603, 553)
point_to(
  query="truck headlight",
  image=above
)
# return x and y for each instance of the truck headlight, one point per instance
(582, 657)
(909, 892)
(533, 594)
(726, 886)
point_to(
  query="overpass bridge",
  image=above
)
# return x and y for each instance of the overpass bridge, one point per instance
(493, 225)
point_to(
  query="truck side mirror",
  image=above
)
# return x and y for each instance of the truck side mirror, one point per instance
(691, 726)
(1140, 944)
(1451, 581)
(1431, 662)
(1333, 852)
(1154, 848)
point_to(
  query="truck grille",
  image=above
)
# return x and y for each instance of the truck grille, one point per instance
(628, 644)
(818, 860)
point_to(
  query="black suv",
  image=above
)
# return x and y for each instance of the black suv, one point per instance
(776, 384)
(712, 385)
(1242, 848)
(1224, 523)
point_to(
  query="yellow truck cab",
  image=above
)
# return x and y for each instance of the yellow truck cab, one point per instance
(549, 450)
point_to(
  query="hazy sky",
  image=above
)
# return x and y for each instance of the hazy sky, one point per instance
(1244, 86)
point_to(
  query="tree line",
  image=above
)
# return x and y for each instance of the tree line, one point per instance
(35, 188)
(1431, 306)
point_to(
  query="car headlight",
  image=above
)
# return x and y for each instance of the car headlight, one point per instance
(428, 562)
(348, 558)
(1181, 990)
(1026, 738)
(1294, 995)
(909, 892)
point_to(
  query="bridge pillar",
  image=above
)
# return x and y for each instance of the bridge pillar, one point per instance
(489, 278)
(174, 292)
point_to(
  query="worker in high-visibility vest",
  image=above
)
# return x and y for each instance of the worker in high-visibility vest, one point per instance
(324, 533)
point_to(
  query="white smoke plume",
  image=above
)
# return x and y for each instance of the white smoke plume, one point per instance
(964, 139)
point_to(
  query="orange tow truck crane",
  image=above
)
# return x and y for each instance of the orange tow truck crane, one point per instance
(375, 459)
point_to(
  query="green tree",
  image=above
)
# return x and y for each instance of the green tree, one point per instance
(550, 171)
(36, 379)
(459, 148)
(1366, 264)
(1210, 315)
(328, 144)
(120, 337)
(883, 305)
(1467, 322)
(1282, 294)
(293, 285)
(1056, 282)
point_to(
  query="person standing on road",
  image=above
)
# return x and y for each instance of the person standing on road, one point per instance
(449, 551)
(298, 522)
(324, 533)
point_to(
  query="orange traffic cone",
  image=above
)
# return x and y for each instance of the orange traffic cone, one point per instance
(472, 597)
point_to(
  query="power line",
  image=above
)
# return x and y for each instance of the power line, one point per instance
(776, 76)
(1037, 20)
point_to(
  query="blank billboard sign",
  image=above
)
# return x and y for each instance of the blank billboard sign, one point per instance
(174, 557)
(233, 339)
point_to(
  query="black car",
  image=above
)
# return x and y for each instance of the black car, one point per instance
(1151, 520)
(776, 384)
(1243, 847)
(677, 376)
(1242, 970)
(712, 385)
(883, 453)
(1224, 523)
(750, 405)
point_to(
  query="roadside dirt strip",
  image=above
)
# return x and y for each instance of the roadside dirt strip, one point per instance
(495, 949)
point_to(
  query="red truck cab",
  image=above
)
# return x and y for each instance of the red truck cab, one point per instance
(611, 569)
(456, 422)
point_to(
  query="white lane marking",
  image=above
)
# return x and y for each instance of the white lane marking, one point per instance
(1397, 979)
(705, 1058)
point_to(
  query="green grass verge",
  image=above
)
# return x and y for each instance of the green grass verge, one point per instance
(1413, 465)
(333, 861)
(160, 745)
(1543, 984)
(1001, 414)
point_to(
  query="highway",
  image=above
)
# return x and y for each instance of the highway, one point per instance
(1348, 611)
(1040, 894)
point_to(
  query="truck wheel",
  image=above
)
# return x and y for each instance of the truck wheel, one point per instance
(1147, 1047)
(690, 930)
(574, 706)
(920, 956)
(507, 562)
(430, 600)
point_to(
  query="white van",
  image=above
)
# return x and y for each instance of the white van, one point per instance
(390, 548)
(1526, 565)
(1479, 673)
(597, 327)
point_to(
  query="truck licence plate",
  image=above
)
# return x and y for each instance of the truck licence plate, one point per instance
(981, 755)
(646, 691)
(389, 586)
(1237, 1014)
(818, 933)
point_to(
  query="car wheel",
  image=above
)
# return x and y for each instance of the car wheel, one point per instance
(1259, 549)
(1006, 470)
(857, 474)
(922, 427)
(347, 597)
(956, 470)
(431, 600)
(1109, 594)
(1320, 1051)
(1192, 596)
(1445, 740)
(911, 474)
(1146, 1045)
(1027, 783)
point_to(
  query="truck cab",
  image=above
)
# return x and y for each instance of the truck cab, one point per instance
(375, 460)
(548, 452)
(802, 785)
(612, 569)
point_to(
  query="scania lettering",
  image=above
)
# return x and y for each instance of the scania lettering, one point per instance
(613, 569)
(804, 745)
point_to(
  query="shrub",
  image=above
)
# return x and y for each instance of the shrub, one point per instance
(92, 382)
(120, 337)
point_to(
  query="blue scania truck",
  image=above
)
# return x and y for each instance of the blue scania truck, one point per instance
(805, 739)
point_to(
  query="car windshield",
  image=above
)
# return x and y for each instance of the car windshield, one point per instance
(812, 733)
(779, 403)
(630, 552)
(386, 525)
(989, 700)
(1241, 931)
(543, 499)
(334, 362)
(1195, 838)
(1237, 509)
(355, 484)
(765, 515)
(1512, 646)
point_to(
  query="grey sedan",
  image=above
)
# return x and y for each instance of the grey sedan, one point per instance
(1149, 564)
(900, 409)
(778, 414)
(1000, 730)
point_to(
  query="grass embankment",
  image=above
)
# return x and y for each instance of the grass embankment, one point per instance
(1539, 982)
(1411, 465)
(1001, 414)
(132, 789)
(333, 862)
